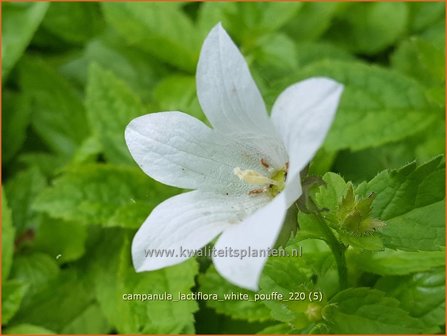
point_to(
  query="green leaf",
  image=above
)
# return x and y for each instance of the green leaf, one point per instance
(62, 304)
(277, 329)
(425, 14)
(385, 108)
(389, 262)
(58, 114)
(369, 242)
(36, 270)
(21, 191)
(287, 276)
(212, 283)
(317, 261)
(369, 28)
(418, 229)
(111, 105)
(132, 65)
(308, 228)
(64, 241)
(278, 51)
(312, 20)
(331, 200)
(368, 311)
(15, 120)
(246, 22)
(13, 293)
(19, 23)
(48, 164)
(312, 52)
(411, 201)
(73, 22)
(435, 33)
(275, 56)
(88, 151)
(161, 29)
(178, 93)
(102, 194)
(8, 233)
(90, 320)
(115, 279)
(299, 55)
(329, 196)
(421, 294)
(421, 60)
(27, 329)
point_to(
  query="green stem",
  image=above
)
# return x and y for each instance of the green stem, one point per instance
(337, 248)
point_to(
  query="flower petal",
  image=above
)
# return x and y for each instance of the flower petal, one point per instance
(302, 115)
(257, 233)
(187, 222)
(177, 149)
(230, 99)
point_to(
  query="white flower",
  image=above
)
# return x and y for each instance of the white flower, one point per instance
(244, 170)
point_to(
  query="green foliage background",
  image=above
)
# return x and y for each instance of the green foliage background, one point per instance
(74, 75)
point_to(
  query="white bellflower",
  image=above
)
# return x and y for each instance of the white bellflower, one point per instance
(245, 170)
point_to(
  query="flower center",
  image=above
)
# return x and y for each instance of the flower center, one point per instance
(272, 185)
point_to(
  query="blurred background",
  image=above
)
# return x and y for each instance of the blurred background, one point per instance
(74, 75)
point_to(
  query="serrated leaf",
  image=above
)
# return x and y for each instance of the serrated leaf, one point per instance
(387, 107)
(19, 23)
(27, 329)
(63, 240)
(132, 65)
(21, 191)
(330, 195)
(277, 329)
(111, 105)
(36, 270)
(91, 320)
(8, 233)
(308, 228)
(88, 151)
(13, 292)
(160, 29)
(212, 283)
(421, 60)
(73, 22)
(247, 22)
(103, 195)
(411, 201)
(368, 242)
(369, 28)
(389, 262)
(15, 120)
(274, 56)
(60, 302)
(421, 294)
(312, 52)
(277, 51)
(312, 20)
(435, 33)
(48, 164)
(286, 275)
(115, 277)
(178, 93)
(423, 15)
(58, 114)
(331, 199)
(366, 311)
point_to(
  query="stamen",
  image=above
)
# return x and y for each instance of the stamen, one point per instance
(265, 164)
(257, 191)
(253, 177)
